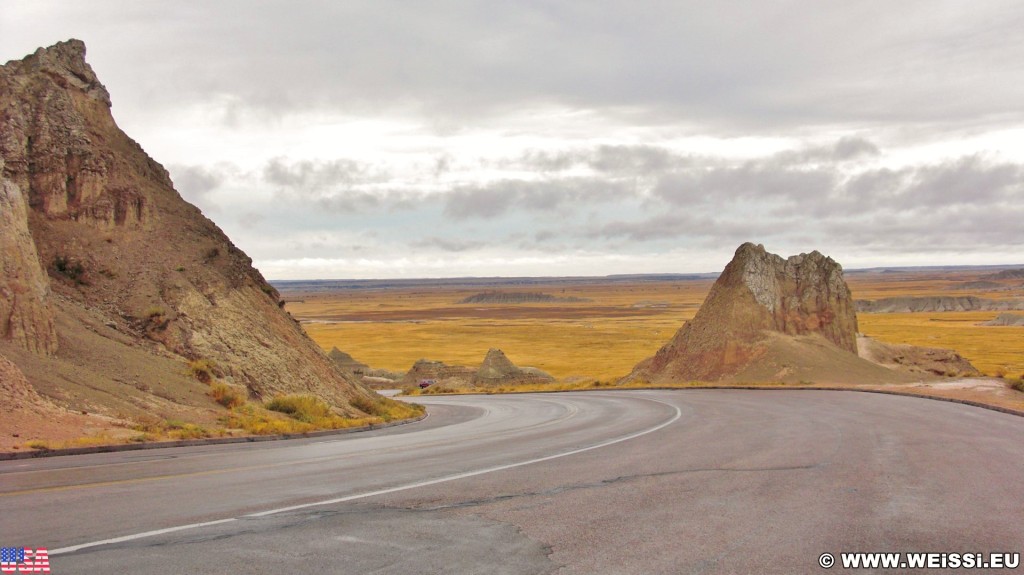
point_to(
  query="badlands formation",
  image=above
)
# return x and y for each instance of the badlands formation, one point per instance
(112, 284)
(789, 320)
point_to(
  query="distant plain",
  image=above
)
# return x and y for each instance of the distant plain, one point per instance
(622, 322)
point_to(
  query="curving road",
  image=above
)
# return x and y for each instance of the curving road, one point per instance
(697, 481)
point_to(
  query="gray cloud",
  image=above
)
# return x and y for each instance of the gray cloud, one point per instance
(727, 67)
(309, 176)
(495, 199)
(195, 181)
(448, 244)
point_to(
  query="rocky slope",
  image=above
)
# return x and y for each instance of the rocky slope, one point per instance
(113, 283)
(496, 369)
(1006, 320)
(771, 319)
(910, 304)
(914, 359)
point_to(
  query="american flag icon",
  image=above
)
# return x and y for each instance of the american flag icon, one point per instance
(24, 560)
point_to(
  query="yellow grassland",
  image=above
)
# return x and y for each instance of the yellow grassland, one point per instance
(604, 338)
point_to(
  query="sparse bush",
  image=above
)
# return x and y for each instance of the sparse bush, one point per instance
(154, 312)
(305, 408)
(1018, 383)
(205, 370)
(212, 253)
(38, 444)
(72, 270)
(227, 396)
(367, 405)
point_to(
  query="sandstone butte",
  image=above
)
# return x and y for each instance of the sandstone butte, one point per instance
(112, 283)
(495, 370)
(788, 320)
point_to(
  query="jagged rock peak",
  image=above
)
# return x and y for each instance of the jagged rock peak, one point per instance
(802, 294)
(496, 365)
(65, 61)
(758, 294)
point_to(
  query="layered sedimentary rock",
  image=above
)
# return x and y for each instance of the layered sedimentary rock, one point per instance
(774, 319)
(26, 316)
(96, 241)
(915, 359)
(498, 369)
(757, 292)
(437, 372)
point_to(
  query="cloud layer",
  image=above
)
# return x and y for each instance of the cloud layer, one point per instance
(377, 138)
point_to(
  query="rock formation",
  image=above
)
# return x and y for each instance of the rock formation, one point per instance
(910, 304)
(1006, 275)
(503, 298)
(498, 369)
(772, 319)
(758, 292)
(1006, 320)
(914, 359)
(99, 251)
(438, 372)
(26, 316)
(346, 361)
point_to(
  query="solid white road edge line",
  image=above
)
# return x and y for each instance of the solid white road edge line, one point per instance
(445, 479)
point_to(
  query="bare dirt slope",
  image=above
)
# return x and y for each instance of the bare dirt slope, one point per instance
(112, 282)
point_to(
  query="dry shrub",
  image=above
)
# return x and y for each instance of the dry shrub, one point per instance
(205, 370)
(227, 395)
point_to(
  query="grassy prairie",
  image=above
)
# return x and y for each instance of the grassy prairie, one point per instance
(621, 324)
(993, 350)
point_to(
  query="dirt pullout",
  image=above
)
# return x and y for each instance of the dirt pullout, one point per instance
(1007, 320)
(937, 304)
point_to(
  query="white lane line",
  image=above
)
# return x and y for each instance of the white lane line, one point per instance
(74, 548)
(445, 479)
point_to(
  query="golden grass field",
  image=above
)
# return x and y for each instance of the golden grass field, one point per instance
(604, 338)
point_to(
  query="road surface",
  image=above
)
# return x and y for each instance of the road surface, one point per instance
(694, 481)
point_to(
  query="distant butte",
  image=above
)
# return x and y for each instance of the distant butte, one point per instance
(773, 319)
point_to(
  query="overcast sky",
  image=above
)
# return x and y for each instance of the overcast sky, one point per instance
(377, 139)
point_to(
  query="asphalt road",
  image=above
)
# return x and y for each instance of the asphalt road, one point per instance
(696, 481)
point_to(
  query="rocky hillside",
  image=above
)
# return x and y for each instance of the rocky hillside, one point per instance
(909, 304)
(115, 288)
(496, 369)
(1006, 320)
(914, 359)
(771, 319)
